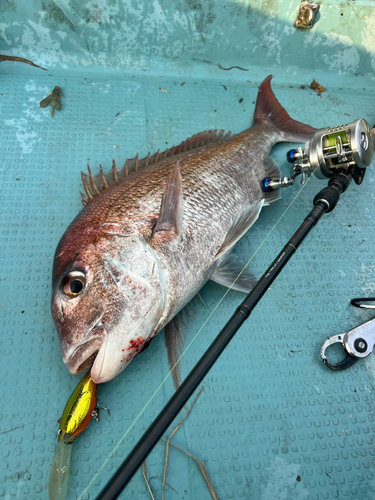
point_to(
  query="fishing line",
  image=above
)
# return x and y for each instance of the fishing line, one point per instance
(120, 441)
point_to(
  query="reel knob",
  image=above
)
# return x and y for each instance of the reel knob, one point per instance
(293, 155)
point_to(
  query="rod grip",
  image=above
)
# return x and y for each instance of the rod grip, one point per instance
(330, 195)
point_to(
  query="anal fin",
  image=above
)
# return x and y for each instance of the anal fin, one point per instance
(233, 274)
(241, 223)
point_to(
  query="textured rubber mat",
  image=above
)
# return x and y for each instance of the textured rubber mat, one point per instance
(272, 422)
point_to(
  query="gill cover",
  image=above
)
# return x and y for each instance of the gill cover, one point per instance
(138, 303)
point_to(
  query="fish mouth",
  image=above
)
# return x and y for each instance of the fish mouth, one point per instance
(85, 354)
(89, 362)
(97, 367)
(109, 362)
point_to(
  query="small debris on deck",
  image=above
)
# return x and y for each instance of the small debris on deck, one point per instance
(20, 59)
(54, 98)
(232, 67)
(314, 85)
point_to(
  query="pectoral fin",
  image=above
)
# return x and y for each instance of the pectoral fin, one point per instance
(233, 274)
(169, 224)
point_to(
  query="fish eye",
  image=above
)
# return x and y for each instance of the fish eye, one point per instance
(60, 432)
(73, 283)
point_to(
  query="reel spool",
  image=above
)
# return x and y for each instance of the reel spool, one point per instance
(346, 147)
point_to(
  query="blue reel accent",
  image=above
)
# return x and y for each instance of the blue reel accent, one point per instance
(291, 155)
(266, 185)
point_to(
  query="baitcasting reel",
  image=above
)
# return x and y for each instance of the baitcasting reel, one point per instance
(347, 147)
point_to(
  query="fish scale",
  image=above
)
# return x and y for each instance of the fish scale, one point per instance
(121, 199)
(144, 246)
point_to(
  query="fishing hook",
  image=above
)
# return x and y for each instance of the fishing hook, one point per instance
(95, 412)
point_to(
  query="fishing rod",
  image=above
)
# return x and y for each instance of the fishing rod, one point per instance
(340, 154)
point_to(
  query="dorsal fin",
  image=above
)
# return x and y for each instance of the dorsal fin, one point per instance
(94, 185)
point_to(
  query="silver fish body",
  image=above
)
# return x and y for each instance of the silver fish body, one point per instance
(145, 245)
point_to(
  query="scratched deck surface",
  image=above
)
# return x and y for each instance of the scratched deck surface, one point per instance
(272, 421)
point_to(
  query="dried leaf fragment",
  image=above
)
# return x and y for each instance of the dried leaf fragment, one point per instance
(314, 85)
(169, 438)
(144, 470)
(201, 467)
(20, 59)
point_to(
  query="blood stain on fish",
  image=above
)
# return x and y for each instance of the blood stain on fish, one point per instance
(136, 344)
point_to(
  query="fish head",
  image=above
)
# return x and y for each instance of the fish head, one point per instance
(106, 303)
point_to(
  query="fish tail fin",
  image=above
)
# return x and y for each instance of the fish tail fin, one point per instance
(269, 110)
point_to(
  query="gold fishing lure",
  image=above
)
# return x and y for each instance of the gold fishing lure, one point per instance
(75, 417)
(77, 412)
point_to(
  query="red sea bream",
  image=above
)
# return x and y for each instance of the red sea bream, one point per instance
(154, 232)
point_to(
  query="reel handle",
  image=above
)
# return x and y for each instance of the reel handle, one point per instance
(348, 147)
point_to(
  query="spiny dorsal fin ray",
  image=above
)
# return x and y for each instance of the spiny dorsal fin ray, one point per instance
(102, 181)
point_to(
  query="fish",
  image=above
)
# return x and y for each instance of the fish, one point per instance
(75, 418)
(152, 233)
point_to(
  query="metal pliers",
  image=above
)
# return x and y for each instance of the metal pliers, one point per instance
(357, 343)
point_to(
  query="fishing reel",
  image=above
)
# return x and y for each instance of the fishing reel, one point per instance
(347, 147)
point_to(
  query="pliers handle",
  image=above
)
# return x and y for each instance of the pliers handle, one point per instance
(357, 343)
